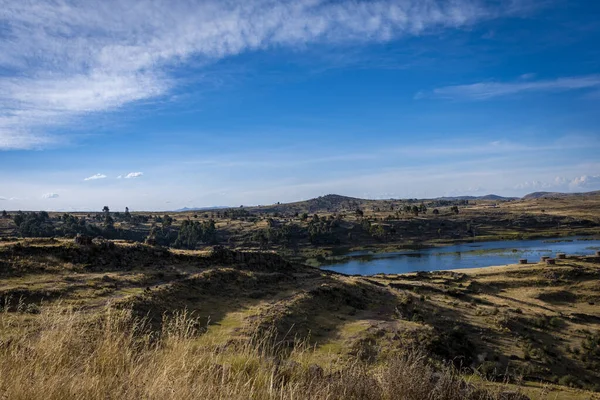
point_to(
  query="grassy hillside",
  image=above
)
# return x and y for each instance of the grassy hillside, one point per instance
(119, 320)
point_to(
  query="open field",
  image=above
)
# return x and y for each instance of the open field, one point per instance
(123, 320)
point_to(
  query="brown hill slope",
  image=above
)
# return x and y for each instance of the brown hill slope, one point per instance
(534, 322)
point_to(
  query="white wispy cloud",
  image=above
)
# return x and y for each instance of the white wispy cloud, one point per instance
(527, 76)
(70, 58)
(50, 196)
(488, 90)
(562, 184)
(133, 175)
(94, 177)
(3, 198)
(586, 182)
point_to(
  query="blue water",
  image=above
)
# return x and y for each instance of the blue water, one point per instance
(468, 255)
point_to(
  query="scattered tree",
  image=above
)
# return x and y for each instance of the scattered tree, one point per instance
(108, 221)
(167, 221)
(34, 224)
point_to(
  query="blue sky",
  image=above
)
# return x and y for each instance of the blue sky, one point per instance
(158, 105)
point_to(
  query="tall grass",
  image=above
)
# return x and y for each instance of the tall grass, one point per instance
(64, 354)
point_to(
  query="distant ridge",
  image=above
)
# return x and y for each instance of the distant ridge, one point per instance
(486, 197)
(336, 202)
(329, 202)
(538, 195)
(184, 209)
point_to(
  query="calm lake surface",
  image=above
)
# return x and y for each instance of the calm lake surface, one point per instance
(466, 255)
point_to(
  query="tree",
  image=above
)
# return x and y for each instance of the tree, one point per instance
(105, 209)
(378, 232)
(18, 218)
(470, 231)
(454, 209)
(167, 221)
(359, 213)
(127, 215)
(108, 221)
(415, 210)
(4, 214)
(34, 224)
(436, 211)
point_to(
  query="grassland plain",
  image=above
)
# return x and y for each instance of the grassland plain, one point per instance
(119, 320)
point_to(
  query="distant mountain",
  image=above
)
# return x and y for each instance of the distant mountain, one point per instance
(184, 209)
(337, 203)
(539, 195)
(486, 197)
(496, 197)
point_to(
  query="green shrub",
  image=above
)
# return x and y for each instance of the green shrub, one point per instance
(569, 380)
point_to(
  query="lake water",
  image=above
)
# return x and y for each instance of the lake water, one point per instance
(467, 255)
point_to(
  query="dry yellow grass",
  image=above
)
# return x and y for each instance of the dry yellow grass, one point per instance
(116, 356)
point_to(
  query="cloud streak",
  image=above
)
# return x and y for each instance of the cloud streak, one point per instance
(488, 90)
(50, 196)
(95, 177)
(69, 58)
(133, 175)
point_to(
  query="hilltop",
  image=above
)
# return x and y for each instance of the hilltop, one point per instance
(327, 203)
